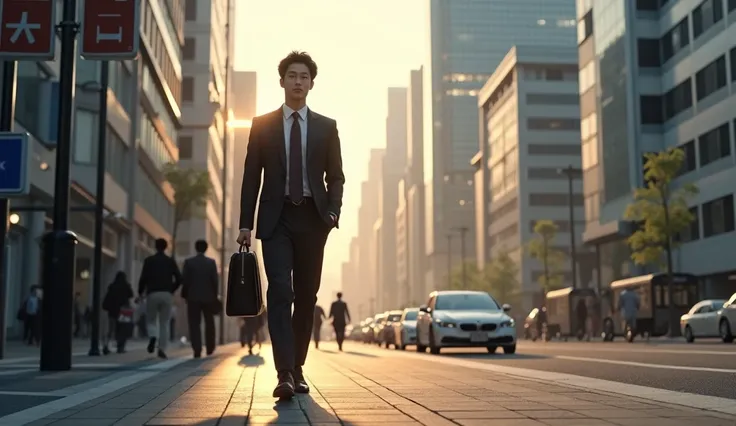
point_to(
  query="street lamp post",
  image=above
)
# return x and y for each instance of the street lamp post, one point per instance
(571, 173)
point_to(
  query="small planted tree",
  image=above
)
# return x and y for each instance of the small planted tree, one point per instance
(541, 248)
(502, 275)
(662, 212)
(191, 190)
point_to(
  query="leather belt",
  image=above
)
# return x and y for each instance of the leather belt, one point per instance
(303, 201)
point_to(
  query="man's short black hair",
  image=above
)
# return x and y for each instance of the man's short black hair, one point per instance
(339, 295)
(296, 57)
(200, 246)
(161, 245)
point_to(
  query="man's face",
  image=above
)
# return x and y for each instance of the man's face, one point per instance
(297, 81)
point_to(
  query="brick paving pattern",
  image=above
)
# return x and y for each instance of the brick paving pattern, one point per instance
(355, 388)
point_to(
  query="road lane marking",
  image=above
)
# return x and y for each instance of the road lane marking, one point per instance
(685, 399)
(647, 365)
(650, 351)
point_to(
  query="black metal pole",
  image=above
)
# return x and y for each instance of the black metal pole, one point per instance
(7, 112)
(449, 261)
(225, 182)
(59, 246)
(573, 252)
(94, 340)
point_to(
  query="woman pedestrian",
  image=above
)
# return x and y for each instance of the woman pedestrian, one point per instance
(119, 312)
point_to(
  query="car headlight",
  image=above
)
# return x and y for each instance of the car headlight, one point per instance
(508, 323)
(445, 324)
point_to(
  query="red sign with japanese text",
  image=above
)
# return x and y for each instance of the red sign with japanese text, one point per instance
(109, 29)
(27, 29)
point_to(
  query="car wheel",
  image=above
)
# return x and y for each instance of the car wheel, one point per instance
(433, 348)
(725, 330)
(509, 350)
(689, 334)
(403, 347)
(492, 349)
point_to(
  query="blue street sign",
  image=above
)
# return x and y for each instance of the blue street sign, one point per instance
(14, 164)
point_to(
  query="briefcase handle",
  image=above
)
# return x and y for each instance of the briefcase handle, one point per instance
(247, 248)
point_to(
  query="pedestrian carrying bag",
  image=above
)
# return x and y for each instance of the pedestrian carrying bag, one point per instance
(244, 296)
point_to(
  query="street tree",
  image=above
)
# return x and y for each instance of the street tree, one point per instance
(475, 278)
(541, 249)
(191, 190)
(661, 210)
(502, 276)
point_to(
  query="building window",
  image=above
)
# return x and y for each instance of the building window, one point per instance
(714, 144)
(733, 62)
(585, 27)
(190, 12)
(564, 124)
(187, 89)
(587, 77)
(553, 149)
(648, 5)
(690, 163)
(116, 158)
(675, 40)
(190, 48)
(85, 136)
(185, 147)
(678, 100)
(711, 78)
(648, 51)
(651, 109)
(30, 99)
(552, 99)
(718, 216)
(731, 5)
(545, 173)
(553, 200)
(692, 232)
(709, 13)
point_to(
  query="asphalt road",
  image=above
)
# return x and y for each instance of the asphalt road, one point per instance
(707, 368)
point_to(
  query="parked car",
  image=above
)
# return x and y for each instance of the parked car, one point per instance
(727, 320)
(388, 336)
(405, 330)
(379, 321)
(463, 319)
(701, 320)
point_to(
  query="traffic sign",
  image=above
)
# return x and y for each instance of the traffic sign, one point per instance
(109, 29)
(14, 164)
(27, 29)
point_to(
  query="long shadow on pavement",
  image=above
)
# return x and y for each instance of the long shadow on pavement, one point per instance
(497, 356)
(252, 360)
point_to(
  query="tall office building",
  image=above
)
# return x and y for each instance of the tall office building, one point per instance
(202, 141)
(469, 38)
(410, 212)
(655, 75)
(530, 131)
(394, 164)
(144, 112)
(368, 214)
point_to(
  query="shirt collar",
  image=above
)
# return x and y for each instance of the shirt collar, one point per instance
(288, 111)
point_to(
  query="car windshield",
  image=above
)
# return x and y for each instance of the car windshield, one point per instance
(394, 317)
(411, 316)
(466, 302)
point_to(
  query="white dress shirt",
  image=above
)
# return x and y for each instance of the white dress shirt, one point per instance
(288, 122)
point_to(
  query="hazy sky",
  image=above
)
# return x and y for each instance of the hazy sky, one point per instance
(361, 49)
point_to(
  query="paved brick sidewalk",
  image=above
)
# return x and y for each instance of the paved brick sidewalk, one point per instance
(365, 387)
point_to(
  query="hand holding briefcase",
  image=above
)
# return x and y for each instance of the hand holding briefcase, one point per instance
(244, 292)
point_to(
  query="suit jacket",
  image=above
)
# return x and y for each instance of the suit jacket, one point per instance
(159, 273)
(267, 153)
(200, 280)
(339, 313)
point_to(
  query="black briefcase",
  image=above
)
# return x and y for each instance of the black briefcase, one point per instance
(244, 293)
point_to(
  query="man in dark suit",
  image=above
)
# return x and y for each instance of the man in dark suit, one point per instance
(340, 317)
(158, 281)
(200, 290)
(298, 152)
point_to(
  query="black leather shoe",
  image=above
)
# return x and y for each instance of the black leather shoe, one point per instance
(300, 385)
(151, 345)
(285, 388)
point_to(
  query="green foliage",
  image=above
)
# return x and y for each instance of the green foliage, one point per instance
(541, 249)
(499, 278)
(191, 189)
(660, 208)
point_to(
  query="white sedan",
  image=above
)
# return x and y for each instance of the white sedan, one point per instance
(465, 319)
(701, 320)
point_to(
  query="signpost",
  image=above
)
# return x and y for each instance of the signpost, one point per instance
(14, 164)
(110, 29)
(27, 29)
